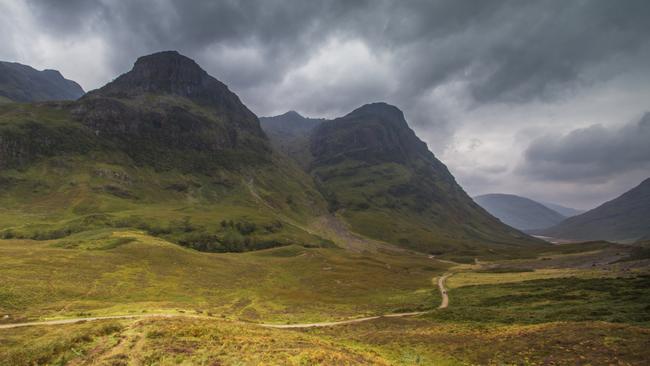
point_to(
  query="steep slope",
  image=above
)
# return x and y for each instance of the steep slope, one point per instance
(22, 83)
(165, 148)
(519, 212)
(563, 210)
(625, 218)
(385, 182)
(290, 133)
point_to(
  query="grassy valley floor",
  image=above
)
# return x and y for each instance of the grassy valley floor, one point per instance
(566, 305)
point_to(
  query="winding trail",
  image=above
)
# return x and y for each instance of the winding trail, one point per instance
(441, 286)
(443, 291)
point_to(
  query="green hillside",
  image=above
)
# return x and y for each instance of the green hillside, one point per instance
(164, 148)
(170, 150)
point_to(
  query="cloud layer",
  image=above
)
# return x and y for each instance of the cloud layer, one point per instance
(495, 75)
(590, 154)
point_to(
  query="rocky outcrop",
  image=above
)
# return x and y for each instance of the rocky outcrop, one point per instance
(373, 133)
(170, 73)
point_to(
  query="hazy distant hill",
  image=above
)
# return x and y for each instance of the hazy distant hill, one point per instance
(519, 212)
(625, 218)
(290, 133)
(22, 83)
(563, 210)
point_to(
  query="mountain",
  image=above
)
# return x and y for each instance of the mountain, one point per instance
(22, 83)
(164, 148)
(625, 218)
(386, 183)
(562, 210)
(168, 112)
(519, 212)
(290, 133)
(168, 149)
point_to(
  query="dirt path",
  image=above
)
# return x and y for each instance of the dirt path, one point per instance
(441, 287)
(443, 291)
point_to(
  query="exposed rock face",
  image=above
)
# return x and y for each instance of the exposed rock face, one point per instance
(22, 83)
(167, 101)
(174, 74)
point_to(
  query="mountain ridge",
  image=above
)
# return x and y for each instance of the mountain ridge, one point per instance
(23, 83)
(625, 218)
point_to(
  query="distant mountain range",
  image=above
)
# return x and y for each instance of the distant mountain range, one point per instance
(623, 219)
(519, 212)
(562, 210)
(22, 83)
(169, 149)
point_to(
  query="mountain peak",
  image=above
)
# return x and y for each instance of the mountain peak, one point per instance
(166, 72)
(291, 114)
(380, 109)
(167, 64)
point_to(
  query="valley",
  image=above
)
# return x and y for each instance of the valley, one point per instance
(158, 221)
(149, 300)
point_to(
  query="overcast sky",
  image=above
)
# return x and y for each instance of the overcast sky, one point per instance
(547, 99)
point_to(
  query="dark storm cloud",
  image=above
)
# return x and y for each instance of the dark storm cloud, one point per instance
(592, 154)
(460, 69)
(506, 50)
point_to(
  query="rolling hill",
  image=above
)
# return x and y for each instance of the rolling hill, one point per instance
(519, 212)
(625, 218)
(22, 83)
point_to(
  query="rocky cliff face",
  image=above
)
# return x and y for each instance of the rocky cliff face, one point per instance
(170, 73)
(166, 112)
(374, 132)
(166, 102)
(22, 83)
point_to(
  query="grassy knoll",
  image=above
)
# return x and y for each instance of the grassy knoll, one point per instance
(129, 271)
